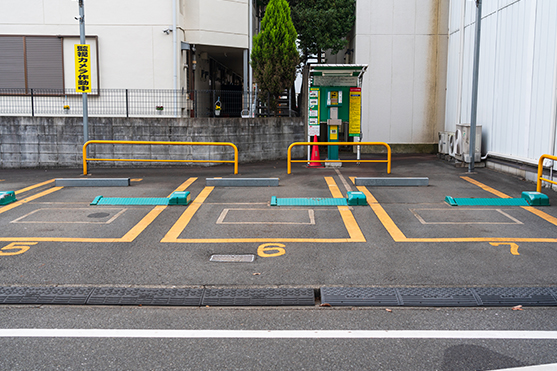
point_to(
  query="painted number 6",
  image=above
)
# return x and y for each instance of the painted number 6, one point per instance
(268, 250)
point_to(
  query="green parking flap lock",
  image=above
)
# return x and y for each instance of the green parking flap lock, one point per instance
(356, 199)
(7, 197)
(536, 198)
(179, 198)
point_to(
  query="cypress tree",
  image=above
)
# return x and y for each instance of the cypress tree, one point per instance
(274, 56)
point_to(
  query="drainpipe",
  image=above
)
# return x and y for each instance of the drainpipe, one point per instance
(553, 118)
(250, 41)
(175, 56)
(460, 64)
(476, 70)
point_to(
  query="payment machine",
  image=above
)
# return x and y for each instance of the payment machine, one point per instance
(337, 88)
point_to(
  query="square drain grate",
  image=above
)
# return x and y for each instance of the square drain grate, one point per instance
(359, 296)
(274, 297)
(437, 297)
(145, 296)
(44, 295)
(246, 258)
(511, 296)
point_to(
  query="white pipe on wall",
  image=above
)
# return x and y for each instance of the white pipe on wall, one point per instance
(460, 63)
(175, 56)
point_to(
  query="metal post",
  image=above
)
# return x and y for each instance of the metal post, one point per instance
(32, 104)
(175, 56)
(84, 95)
(127, 105)
(195, 103)
(289, 102)
(474, 112)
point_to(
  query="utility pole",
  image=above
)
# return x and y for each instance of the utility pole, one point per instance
(84, 95)
(475, 74)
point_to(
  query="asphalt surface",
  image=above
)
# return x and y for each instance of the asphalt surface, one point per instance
(58, 239)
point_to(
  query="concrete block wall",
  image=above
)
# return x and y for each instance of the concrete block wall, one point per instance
(28, 142)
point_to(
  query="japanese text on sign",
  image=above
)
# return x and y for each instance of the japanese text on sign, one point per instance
(354, 120)
(82, 68)
(313, 112)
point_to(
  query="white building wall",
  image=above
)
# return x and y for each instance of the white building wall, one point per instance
(134, 52)
(516, 97)
(405, 44)
(217, 22)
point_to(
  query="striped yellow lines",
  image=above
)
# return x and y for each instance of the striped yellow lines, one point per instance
(350, 223)
(34, 186)
(130, 236)
(184, 185)
(385, 219)
(541, 214)
(485, 187)
(398, 236)
(185, 218)
(28, 199)
(143, 223)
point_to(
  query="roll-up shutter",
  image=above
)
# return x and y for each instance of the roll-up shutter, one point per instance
(44, 63)
(12, 63)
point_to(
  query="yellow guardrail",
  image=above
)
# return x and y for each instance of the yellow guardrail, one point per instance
(540, 172)
(85, 158)
(388, 160)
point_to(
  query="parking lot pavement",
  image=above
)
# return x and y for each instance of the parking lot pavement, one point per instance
(232, 237)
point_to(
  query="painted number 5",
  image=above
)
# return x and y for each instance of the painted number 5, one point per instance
(16, 248)
(268, 250)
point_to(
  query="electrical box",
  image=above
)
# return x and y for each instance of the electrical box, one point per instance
(462, 143)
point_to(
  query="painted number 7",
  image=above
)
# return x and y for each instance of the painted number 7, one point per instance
(16, 248)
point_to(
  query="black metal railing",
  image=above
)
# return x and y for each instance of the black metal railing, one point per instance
(139, 103)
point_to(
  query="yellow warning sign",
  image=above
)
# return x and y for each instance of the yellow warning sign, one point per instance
(82, 68)
(354, 118)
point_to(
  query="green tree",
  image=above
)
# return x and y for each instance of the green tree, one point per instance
(323, 24)
(274, 56)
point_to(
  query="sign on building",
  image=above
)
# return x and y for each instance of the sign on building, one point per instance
(82, 68)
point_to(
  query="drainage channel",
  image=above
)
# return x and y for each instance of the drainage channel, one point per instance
(328, 296)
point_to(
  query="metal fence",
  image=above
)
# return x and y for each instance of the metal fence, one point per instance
(139, 103)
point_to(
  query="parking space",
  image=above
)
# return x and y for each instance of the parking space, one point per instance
(371, 244)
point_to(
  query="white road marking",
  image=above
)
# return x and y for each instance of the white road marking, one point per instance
(224, 213)
(548, 367)
(276, 334)
(344, 182)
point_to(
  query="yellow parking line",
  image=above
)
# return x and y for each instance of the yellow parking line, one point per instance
(183, 221)
(335, 191)
(143, 223)
(130, 236)
(184, 185)
(34, 186)
(541, 214)
(398, 236)
(548, 218)
(27, 199)
(350, 223)
(260, 240)
(385, 219)
(57, 239)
